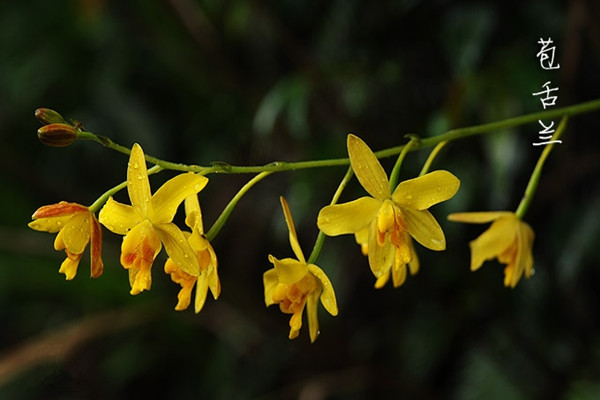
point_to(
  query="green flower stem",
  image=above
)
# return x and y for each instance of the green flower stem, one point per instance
(431, 157)
(107, 142)
(321, 236)
(214, 230)
(414, 140)
(105, 196)
(279, 166)
(535, 176)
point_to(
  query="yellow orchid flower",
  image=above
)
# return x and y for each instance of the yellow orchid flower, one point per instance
(508, 238)
(207, 260)
(294, 284)
(146, 223)
(384, 222)
(76, 226)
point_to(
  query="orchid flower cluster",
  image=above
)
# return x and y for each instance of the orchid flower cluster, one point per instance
(385, 223)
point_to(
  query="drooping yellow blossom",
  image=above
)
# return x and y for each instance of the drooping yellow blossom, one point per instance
(294, 284)
(384, 222)
(146, 223)
(508, 238)
(76, 226)
(207, 260)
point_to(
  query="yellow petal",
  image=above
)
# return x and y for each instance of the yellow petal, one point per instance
(54, 217)
(172, 193)
(399, 275)
(76, 233)
(423, 227)
(381, 258)
(311, 314)
(178, 248)
(119, 218)
(138, 185)
(201, 292)
(529, 235)
(288, 270)
(292, 230)
(495, 240)
(69, 267)
(270, 281)
(478, 217)
(341, 219)
(382, 280)
(50, 224)
(427, 190)
(367, 168)
(414, 263)
(193, 215)
(327, 294)
(524, 259)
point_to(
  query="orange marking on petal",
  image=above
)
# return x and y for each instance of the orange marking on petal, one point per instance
(58, 209)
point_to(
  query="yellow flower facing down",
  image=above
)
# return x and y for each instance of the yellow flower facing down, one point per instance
(508, 238)
(207, 260)
(294, 285)
(385, 222)
(147, 223)
(76, 227)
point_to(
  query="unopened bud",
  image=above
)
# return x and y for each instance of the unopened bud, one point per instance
(57, 135)
(47, 116)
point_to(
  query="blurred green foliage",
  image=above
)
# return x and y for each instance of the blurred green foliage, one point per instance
(250, 82)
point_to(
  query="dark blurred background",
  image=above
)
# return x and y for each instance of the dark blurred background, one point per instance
(250, 82)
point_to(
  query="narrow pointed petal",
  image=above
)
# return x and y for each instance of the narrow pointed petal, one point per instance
(312, 315)
(119, 218)
(201, 292)
(495, 240)
(270, 281)
(288, 270)
(172, 193)
(381, 258)
(367, 168)
(423, 192)
(327, 294)
(351, 217)
(292, 230)
(193, 215)
(178, 248)
(138, 185)
(478, 217)
(97, 266)
(423, 227)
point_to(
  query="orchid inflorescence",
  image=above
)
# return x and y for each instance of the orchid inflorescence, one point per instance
(386, 223)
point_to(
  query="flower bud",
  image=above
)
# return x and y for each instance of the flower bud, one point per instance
(57, 135)
(47, 116)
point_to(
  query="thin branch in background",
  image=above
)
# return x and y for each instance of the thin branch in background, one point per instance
(57, 346)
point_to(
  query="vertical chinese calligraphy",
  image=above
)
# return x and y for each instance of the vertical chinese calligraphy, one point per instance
(547, 98)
